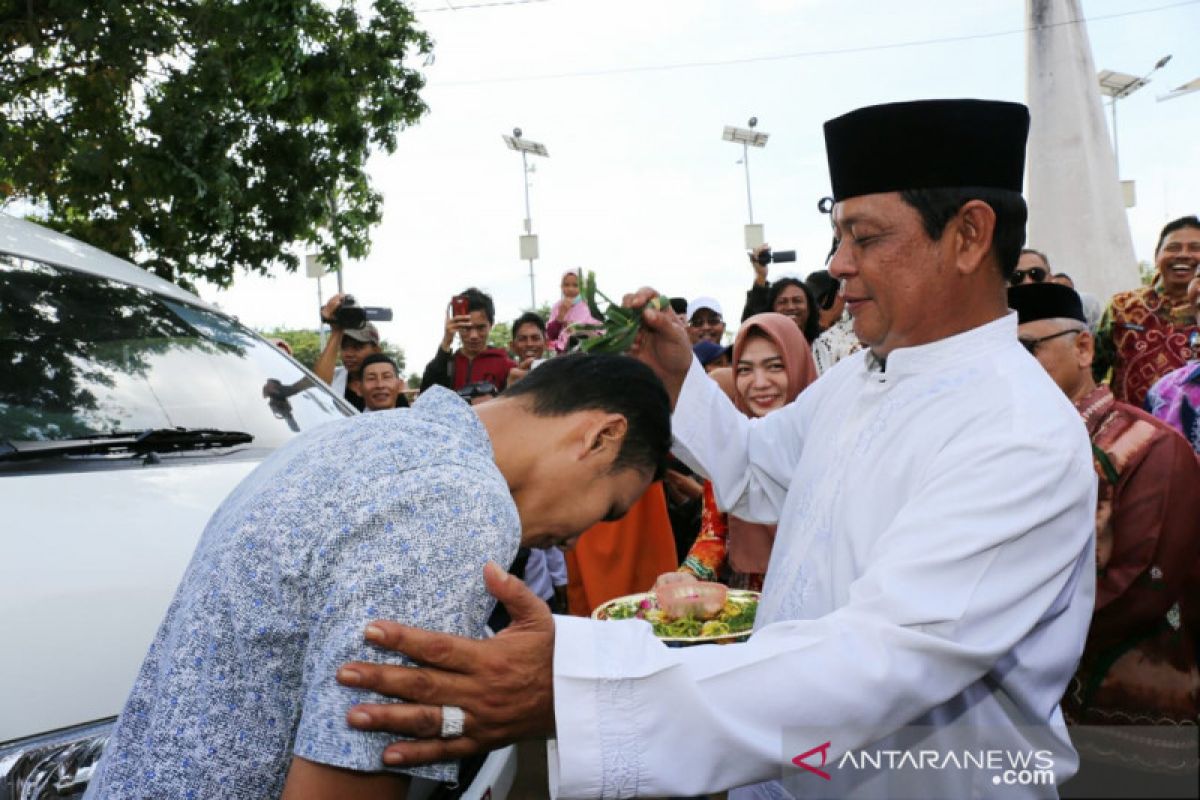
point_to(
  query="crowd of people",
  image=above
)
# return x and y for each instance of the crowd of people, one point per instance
(938, 481)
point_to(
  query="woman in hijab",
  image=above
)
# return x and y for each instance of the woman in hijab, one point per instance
(569, 311)
(772, 364)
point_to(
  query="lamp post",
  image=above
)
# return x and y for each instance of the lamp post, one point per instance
(748, 137)
(1119, 85)
(528, 241)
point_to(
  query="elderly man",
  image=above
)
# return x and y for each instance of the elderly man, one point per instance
(924, 589)
(1139, 663)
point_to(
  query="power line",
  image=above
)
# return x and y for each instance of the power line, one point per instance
(468, 7)
(801, 54)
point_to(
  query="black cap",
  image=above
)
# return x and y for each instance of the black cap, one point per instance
(927, 144)
(1034, 301)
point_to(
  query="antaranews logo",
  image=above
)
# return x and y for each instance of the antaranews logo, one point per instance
(1008, 767)
(823, 749)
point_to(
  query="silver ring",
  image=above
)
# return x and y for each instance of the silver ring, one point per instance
(452, 722)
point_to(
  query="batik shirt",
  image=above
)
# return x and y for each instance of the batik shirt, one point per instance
(1143, 336)
(389, 515)
(1175, 399)
(837, 342)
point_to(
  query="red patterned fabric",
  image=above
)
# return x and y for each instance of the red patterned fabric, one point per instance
(1143, 336)
(1139, 662)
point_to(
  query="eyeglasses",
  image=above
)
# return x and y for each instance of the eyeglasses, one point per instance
(699, 321)
(1036, 274)
(1032, 344)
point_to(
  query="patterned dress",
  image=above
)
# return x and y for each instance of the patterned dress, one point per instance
(1143, 336)
(835, 344)
(707, 559)
(1175, 399)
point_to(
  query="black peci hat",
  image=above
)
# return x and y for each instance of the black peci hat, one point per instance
(1034, 301)
(927, 144)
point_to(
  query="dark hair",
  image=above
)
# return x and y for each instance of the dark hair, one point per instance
(812, 323)
(480, 301)
(527, 318)
(376, 358)
(616, 384)
(937, 206)
(1029, 251)
(824, 288)
(1176, 224)
(679, 305)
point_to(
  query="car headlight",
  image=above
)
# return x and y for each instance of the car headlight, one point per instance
(52, 765)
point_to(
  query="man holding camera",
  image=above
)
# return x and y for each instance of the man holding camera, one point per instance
(354, 338)
(475, 361)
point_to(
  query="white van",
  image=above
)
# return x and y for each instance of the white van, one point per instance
(129, 408)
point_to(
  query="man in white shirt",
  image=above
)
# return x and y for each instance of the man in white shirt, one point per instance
(927, 594)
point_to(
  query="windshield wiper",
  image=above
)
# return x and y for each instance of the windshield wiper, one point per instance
(150, 440)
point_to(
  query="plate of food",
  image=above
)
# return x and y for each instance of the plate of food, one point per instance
(688, 613)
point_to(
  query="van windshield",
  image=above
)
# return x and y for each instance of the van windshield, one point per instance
(86, 356)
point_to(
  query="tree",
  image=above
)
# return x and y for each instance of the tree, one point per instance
(306, 346)
(198, 138)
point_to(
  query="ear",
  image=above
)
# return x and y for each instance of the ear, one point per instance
(975, 225)
(1085, 349)
(603, 435)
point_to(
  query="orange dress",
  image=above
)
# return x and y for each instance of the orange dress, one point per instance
(623, 557)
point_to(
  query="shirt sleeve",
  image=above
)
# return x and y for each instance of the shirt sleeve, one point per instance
(967, 569)
(412, 550)
(557, 564)
(438, 371)
(707, 554)
(752, 461)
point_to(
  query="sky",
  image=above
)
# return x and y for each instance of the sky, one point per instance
(630, 98)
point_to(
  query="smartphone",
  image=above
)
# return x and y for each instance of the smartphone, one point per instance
(458, 306)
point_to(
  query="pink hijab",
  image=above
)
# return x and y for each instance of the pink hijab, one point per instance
(749, 544)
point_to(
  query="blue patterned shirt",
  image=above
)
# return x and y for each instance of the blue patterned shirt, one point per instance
(388, 515)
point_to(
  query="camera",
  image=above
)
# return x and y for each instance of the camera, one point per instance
(767, 256)
(478, 389)
(350, 315)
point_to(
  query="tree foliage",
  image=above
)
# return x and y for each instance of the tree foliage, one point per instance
(198, 138)
(306, 345)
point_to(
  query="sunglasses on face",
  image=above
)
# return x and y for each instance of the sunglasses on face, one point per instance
(1032, 344)
(1036, 274)
(700, 322)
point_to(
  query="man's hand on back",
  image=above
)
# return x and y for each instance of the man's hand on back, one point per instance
(504, 685)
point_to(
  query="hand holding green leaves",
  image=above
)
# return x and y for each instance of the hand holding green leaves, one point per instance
(620, 326)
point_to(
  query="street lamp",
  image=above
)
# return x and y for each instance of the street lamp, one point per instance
(748, 137)
(1179, 91)
(1119, 85)
(529, 242)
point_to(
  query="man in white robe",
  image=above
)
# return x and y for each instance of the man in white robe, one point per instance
(933, 567)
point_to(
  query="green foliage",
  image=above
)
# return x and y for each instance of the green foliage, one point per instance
(202, 137)
(620, 327)
(306, 346)
(501, 335)
(1147, 273)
